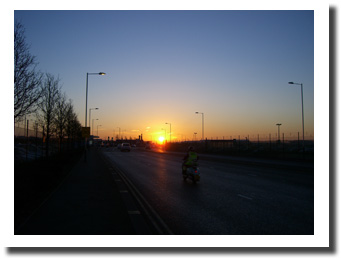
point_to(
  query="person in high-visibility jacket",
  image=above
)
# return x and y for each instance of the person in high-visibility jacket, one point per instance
(190, 159)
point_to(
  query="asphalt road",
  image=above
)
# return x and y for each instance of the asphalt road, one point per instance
(232, 198)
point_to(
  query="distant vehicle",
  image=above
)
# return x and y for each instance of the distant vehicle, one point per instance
(148, 146)
(125, 147)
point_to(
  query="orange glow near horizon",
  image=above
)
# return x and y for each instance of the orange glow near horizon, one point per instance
(161, 139)
(183, 127)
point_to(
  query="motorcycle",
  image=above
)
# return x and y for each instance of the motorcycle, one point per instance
(192, 172)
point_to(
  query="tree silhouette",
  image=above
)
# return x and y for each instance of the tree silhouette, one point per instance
(26, 80)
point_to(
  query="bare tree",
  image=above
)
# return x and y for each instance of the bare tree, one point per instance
(60, 117)
(26, 80)
(47, 106)
(73, 126)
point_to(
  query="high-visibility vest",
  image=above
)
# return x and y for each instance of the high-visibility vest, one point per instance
(192, 156)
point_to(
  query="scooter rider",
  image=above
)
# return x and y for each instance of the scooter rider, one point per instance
(190, 159)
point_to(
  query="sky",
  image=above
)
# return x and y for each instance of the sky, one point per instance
(164, 66)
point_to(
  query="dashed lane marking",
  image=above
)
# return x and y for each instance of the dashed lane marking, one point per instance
(245, 197)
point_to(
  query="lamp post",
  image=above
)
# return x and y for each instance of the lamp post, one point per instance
(86, 98)
(90, 116)
(119, 132)
(164, 141)
(279, 124)
(165, 133)
(292, 83)
(97, 130)
(93, 123)
(202, 124)
(170, 131)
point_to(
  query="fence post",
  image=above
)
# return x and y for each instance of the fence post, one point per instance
(42, 143)
(27, 139)
(36, 127)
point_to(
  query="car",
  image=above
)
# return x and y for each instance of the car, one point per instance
(125, 147)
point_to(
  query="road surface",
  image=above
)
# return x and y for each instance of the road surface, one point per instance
(231, 199)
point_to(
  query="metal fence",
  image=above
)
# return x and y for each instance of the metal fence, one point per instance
(30, 144)
(24, 132)
(268, 148)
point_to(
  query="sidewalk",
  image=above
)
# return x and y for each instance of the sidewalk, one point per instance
(87, 203)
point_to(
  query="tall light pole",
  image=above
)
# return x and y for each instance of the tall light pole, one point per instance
(202, 124)
(165, 133)
(90, 116)
(86, 98)
(292, 83)
(119, 133)
(93, 124)
(97, 130)
(170, 131)
(279, 124)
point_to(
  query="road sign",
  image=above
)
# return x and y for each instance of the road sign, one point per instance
(86, 132)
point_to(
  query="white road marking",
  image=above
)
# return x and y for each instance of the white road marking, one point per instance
(245, 197)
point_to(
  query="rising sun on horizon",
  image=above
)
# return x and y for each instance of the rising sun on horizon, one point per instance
(161, 139)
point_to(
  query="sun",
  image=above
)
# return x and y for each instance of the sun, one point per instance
(161, 139)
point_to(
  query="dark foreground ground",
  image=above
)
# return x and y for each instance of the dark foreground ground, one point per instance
(34, 181)
(69, 196)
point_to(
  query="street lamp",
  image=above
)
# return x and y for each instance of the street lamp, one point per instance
(292, 83)
(202, 124)
(90, 115)
(93, 124)
(170, 131)
(278, 124)
(119, 133)
(86, 98)
(97, 130)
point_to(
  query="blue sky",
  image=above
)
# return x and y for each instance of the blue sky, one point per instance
(163, 66)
